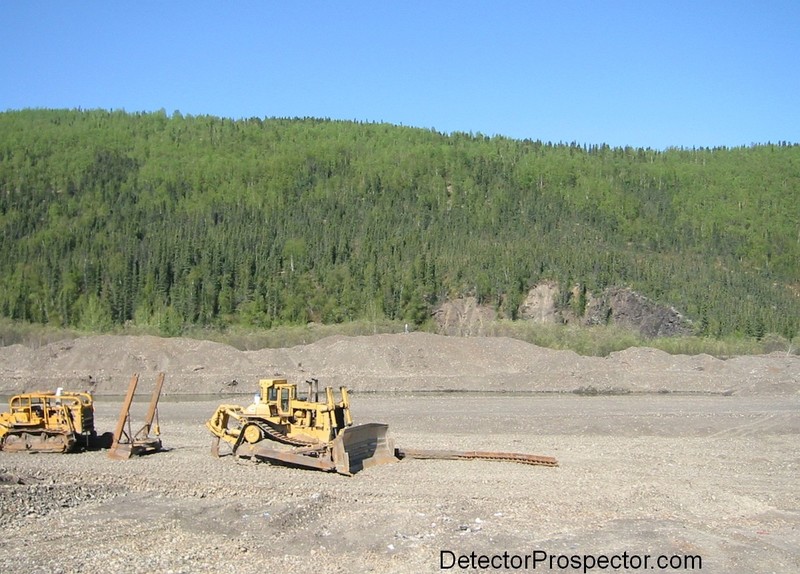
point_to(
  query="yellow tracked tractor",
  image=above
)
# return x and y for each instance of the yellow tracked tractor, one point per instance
(63, 421)
(59, 421)
(281, 427)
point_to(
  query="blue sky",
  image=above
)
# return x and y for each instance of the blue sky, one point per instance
(641, 73)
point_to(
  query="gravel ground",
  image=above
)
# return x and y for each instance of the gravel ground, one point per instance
(680, 456)
(709, 476)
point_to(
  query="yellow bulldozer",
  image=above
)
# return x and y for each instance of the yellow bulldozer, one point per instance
(281, 427)
(63, 421)
(318, 433)
(53, 421)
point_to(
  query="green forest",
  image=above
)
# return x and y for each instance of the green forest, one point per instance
(110, 218)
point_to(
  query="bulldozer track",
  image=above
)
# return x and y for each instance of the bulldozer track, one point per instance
(272, 433)
(520, 458)
(37, 441)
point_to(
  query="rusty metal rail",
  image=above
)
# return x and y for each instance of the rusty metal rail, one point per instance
(476, 455)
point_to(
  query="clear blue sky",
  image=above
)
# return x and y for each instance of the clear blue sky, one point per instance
(647, 73)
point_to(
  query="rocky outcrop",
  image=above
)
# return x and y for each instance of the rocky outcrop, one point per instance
(464, 316)
(618, 306)
(626, 308)
(544, 303)
(540, 304)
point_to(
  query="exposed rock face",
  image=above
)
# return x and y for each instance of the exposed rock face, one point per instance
(463, 316)
(540, 304)
(626, 308)
(614, 306)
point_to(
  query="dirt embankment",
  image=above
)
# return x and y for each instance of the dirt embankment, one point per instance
(400, 362)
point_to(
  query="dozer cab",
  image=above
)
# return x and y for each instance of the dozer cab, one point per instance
(284, 428)
(59, 421)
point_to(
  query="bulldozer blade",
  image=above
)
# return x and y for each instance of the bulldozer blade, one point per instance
(362, 446)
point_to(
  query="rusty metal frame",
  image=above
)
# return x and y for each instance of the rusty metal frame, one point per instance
(125, 443)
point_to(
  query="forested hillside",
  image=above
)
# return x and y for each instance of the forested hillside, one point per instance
(110, 217)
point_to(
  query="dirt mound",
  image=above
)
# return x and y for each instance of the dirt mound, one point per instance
(399, 362)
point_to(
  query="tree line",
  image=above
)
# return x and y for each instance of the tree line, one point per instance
(108, 217)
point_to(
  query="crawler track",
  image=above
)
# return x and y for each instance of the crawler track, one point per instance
(37, 441)
(520, 458)
(271, 433)
(275, 434)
